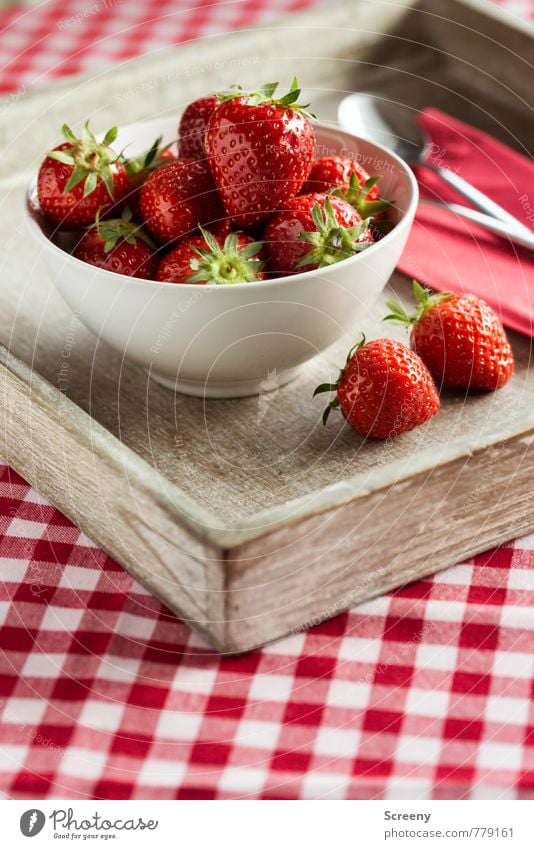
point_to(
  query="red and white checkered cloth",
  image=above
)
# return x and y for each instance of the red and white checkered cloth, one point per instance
(38, 45)
(425, 692)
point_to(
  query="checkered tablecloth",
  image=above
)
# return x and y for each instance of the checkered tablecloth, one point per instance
(425, 692)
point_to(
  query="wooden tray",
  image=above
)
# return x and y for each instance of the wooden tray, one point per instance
(247, 518)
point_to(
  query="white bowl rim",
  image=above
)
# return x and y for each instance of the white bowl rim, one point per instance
(271, 283)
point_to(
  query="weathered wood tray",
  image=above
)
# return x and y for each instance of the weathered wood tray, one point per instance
(247, 517)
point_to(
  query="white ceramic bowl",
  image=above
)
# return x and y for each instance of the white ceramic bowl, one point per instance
(223, 341)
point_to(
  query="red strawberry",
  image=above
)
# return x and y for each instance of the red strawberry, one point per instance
(383, 390)
(178, 197)
(222, 228)
(79, 177)
(192, 127)
(118, 245)
(260, 151)
(350, 181)
(334, 172)
(313, 231)
(139, 167)
(460, 339)
(207, 259)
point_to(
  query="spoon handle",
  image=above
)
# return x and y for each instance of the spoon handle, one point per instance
(478, 198)
(518, 237)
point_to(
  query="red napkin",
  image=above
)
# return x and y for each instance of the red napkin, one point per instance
(448, 253)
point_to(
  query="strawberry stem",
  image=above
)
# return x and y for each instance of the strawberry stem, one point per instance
(356, 195)
(226, 264)
(113, 229)
(425, 301)
(89, 159)
(331, 242)
(149, 160)
(265, 94)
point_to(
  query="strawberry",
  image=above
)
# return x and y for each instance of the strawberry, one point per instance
(349, 180)
(79, 177)
(313, 231)
(221, 228)
(192, 127)
(207, 259)
(383, 390)
(260, 151)
(460, 339)
(118, 245)
(139, 167)
(334, 172)
(176, 198)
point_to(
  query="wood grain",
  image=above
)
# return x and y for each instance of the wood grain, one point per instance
(379, 541)
(247, 517)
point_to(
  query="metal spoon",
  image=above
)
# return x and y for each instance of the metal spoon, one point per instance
(392, 125)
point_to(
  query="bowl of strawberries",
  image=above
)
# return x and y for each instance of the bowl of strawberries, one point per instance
(243, 244)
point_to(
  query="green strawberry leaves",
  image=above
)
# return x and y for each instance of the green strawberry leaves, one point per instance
(265, 94)
(110, 136)
(425, 300)
(356, 195)
(77, 175)
(149, 160)
(113, 230)
(68, 134)
(331, 242)
(90, 159)
(90, 183)
(62, 156)
(227, 263)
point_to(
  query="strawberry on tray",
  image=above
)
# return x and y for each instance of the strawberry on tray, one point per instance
(460, 339)
(383, 390)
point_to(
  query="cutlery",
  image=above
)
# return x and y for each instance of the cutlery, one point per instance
(391, 124)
